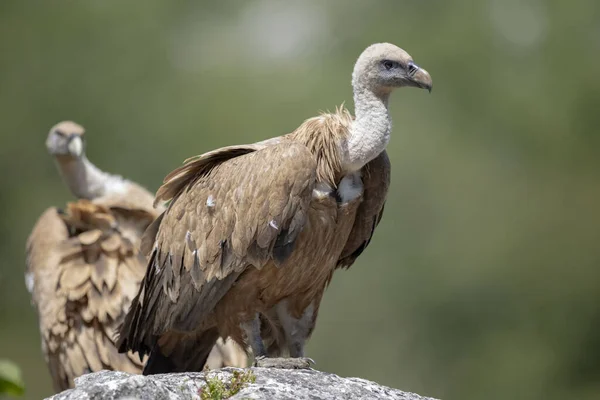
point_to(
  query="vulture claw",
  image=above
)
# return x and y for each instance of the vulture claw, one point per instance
(284, 363)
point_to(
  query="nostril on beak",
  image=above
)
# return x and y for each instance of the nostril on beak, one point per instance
(412, 69)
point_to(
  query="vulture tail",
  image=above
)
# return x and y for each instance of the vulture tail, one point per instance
(189, 354)
(158, 364)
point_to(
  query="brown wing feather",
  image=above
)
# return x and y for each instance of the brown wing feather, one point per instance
(194, 167)
(237, 208)
(135, 199)
(376, 182)
(85, 272)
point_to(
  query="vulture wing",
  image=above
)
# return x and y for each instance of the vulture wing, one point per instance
(231, 208)
(83, 273)
(376, 181)
(136, 199)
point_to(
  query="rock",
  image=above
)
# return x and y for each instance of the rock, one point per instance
(269, 383)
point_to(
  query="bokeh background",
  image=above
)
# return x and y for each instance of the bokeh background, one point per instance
(483, 279)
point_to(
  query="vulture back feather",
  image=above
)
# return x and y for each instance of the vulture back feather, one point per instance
(83, 269)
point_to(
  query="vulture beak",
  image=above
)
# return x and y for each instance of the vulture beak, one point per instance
(75, 145)
(419, 77)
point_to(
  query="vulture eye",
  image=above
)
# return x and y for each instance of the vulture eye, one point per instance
(60, 133)
(412, 68)
(388, 64)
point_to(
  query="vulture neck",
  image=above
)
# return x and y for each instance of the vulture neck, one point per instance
(85, 180)
(370, 132)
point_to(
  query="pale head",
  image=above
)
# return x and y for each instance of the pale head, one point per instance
(383, 67)
(66, 139)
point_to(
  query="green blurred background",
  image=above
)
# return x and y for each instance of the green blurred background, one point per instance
(482, 281)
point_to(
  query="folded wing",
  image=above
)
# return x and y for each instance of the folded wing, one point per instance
(376, 182)
(232, 208)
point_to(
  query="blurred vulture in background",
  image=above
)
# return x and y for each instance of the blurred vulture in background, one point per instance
(253, 233)
(84, 266)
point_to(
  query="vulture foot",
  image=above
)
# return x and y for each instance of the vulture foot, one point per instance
(284, 363)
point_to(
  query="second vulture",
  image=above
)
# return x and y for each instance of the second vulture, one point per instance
(84, 266)
(254, 232)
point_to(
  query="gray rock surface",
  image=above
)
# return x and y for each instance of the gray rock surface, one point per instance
(275, 384)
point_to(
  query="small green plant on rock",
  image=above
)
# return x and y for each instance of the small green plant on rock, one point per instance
(216, 389)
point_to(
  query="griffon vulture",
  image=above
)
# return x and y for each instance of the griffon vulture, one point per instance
(84, 266)
(254, 232)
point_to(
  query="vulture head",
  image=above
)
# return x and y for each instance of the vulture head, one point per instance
(66, 139)
(383, 67)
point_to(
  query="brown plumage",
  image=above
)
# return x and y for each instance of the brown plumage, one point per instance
(84, 266)
(254, 233)
(84, 274)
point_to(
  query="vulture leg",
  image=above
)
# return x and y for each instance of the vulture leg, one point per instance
(253, 338)
(296, 329)
(296, 332)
